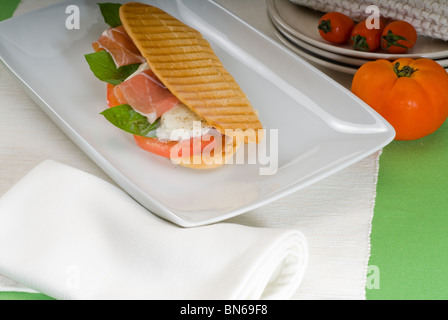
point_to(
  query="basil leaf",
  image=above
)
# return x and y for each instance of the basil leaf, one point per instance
(129, 120)
(110, 12)
(103, 67)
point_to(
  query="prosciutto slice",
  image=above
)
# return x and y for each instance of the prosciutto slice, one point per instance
(146, 94)
(118, 43)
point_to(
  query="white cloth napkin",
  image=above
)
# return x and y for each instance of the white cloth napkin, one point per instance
(71, 235)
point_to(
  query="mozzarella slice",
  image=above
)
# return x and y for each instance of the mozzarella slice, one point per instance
(180, 123)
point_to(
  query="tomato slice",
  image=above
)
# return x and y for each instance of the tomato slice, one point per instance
(155, 146)
(164, 149)
(112, 100)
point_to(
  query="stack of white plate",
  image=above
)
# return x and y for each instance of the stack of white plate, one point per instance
(296, 27)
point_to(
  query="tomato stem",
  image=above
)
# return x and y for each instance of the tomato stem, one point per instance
(325, 26)
(406, 71)
(360, 43)
(392, 40)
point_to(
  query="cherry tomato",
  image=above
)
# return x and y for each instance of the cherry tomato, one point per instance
(336, 27)
(365, 38)
(398, 37)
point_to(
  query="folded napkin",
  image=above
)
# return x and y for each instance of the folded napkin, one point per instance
(429, 17)
(71, 235)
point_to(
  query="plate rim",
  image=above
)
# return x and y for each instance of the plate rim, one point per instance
(330, 64)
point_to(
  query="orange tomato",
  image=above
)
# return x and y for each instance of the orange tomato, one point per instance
(365, 39)
(398, 37)
(412, 95)
(335, 27)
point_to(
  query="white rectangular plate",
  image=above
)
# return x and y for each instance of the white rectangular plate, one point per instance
(321, 126)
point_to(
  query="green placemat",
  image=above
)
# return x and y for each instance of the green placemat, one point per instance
(7, 8)
(409, 241)
(23, 296)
